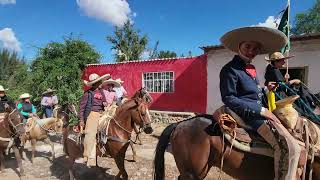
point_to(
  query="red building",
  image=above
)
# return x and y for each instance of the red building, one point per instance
(175, 84)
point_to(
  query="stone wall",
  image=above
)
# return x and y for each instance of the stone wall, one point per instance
(167, 117)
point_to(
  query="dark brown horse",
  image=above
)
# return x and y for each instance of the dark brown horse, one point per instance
(132, 112)
(11, 128)
(195, 152)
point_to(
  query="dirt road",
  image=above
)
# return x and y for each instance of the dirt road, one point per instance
(45, 169)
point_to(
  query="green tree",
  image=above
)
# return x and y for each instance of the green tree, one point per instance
(167, 54)
(8, 62)
(59, 66)
(14, 73)
(127, 43)
(308, 22)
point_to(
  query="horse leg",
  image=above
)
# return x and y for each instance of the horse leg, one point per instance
(120, 163)
(33, 147)
(71, 176)
(47, 140)
(1, 161)
(19, 161)
(134, 154)
(139, 140)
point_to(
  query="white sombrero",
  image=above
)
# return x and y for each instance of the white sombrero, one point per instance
(49, 90)
(271, 39)
(112, 81)
(276, 56)
(94, 78)
(119, 80)
(24, 96)
(2, 89)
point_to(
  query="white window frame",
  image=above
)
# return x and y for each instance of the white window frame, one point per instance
(162, 88)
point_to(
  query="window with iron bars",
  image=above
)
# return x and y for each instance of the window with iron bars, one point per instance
(159, 82)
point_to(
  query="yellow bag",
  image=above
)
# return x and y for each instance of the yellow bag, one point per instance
(271, 100)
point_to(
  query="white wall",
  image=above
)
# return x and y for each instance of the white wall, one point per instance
(307, 53)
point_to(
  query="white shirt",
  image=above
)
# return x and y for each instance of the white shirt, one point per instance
(120, 91)
(49, 101)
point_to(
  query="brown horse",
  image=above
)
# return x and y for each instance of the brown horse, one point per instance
(11, 129)
(39, 131)
(195, 152)
(134, 111)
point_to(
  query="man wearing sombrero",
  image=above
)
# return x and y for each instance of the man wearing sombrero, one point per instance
(4, 99)
(120, 91)
(25, 106)
(48, 101)
(276, 61)
(273, 75)
(240, 91)
(91, 106)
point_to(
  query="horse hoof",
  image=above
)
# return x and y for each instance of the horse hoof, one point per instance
(22, 173)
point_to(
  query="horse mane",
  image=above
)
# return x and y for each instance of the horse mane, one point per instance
(47, 121)
(125, 106)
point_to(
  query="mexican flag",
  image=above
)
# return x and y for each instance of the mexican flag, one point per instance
(284, 27)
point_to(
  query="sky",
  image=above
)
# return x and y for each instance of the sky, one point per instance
(178, 25)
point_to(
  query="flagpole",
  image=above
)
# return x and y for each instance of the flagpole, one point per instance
(287, 76)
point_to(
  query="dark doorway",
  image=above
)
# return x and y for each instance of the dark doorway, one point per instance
(297, 73)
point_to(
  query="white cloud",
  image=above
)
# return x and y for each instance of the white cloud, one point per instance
(7, 1)
(116, 12)
(270, 22)
(8, 40)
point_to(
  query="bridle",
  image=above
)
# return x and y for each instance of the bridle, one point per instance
(140, 115)
(15, 127)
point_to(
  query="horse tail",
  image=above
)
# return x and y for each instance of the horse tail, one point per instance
(159, 169)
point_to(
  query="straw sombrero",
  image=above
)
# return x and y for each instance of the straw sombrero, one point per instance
(24, 96)
(49, 90)
(271, 39)
(94, 78)
(287, 102)
(119, 80)
(2, 89)
(112, 81)
(276, 56)
(286, 112)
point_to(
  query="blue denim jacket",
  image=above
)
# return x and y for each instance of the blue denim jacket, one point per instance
(241, 92)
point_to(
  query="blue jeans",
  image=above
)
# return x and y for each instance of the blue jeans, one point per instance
(48, 111)
(255, 123)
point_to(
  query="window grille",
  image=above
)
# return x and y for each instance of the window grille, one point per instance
(159, 82)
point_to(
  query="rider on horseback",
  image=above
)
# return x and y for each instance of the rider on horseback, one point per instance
(240, 91)
(91, 106)
(26, 108)
(4, 99)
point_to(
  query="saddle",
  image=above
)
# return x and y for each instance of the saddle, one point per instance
(242, 136)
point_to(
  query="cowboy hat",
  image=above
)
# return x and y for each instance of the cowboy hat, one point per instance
(286, 113)
(119, 80)
(2, 89)
(94, 78)
(276, 56)
(49, 90)
(24, 96)
(271, 39)
(112, 81)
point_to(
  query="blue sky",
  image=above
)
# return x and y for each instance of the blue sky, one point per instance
(179, 25)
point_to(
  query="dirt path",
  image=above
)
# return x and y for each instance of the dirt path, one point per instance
(45, 169)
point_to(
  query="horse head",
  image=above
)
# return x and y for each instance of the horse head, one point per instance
(58, 128)
(65, 112)
(14, 120)
(141, 115)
